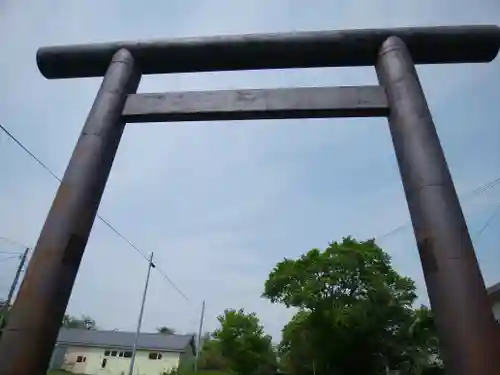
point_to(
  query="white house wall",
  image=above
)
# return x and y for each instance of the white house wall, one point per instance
(496, 310)
(117, 365)
(92, 360)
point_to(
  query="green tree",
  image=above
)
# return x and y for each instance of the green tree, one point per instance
(4, 312)
(355, 310)
(211, 358)
(165, 330)
(295, 351)
(243, 343)
(84, 322)
(419, 339)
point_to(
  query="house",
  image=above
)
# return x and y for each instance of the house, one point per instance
(109, 352)
(494, 294)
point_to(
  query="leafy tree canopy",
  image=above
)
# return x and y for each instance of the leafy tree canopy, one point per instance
(211, 358)
(355, 312)
(84, 322)
(243, 343)
(165, 330)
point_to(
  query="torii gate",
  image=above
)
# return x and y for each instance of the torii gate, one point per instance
(464, 318)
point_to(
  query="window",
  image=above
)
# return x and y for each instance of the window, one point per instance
(127, 354)
(114, 353)
(120, 354)
(104, 362)
(155, 355)
(81, 359)
(107, 353)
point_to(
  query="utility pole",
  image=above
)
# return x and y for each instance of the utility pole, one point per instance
(198, 349)
(139, 322)
(5, 307)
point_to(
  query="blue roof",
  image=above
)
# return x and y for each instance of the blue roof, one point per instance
(494, 291)
(124, 340)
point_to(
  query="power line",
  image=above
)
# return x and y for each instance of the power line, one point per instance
(42, 164)
(488, 222)
(9, 258)
(104, 221)
(9, 253)
(12, 242)
(53, 174)
(392, 232)
(160, 271)
(472, 194)
(482, 189)
(114, 230)
(165, 276)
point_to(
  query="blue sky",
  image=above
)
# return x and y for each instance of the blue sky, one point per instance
(221, 203)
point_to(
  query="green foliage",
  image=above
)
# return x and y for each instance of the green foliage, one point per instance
(210, 362)
(4, 312)
(211, 358)
(355, 313)
(3, 321)
(421, 355)
(165, 330)
(243, 343)
(343, 274)
(84, 322)
(296, 351)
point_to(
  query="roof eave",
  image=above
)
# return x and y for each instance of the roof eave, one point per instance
(105, 347)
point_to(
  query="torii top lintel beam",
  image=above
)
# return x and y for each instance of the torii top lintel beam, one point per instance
(428, 45)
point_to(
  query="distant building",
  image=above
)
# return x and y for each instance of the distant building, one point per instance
(109, 352)
(494, 294)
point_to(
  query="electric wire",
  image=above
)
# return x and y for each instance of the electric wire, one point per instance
(13, 242)
(474, 193)
(487, 223)
(465, 197)
(9, 258)
(10, 253)
(104, 221)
